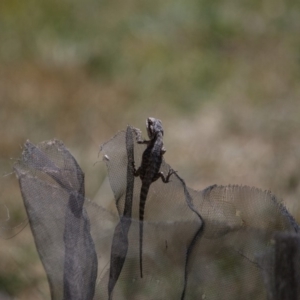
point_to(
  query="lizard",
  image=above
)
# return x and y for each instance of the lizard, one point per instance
(149, 169)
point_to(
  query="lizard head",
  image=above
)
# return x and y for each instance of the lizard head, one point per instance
(154, 126)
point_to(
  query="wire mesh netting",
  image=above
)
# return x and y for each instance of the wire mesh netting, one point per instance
(209, 244)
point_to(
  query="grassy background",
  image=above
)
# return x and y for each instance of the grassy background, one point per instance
(222, 76)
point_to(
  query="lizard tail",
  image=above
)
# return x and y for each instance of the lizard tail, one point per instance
(143, 197)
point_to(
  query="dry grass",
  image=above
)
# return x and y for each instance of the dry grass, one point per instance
(223, 79)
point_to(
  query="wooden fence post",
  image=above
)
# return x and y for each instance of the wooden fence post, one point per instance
(287, 266)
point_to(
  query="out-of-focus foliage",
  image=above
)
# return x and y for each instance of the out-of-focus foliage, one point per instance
(178, 51)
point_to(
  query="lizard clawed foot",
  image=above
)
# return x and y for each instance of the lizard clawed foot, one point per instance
(138, 136)
(136, 172)
(171, 171)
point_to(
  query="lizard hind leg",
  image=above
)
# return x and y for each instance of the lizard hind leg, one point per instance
(165, 179)
(136, 172)
(170, 173)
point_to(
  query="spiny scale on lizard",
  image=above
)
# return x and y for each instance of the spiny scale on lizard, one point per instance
(149, 169)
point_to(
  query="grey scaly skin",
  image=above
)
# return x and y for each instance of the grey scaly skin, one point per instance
(149, 169)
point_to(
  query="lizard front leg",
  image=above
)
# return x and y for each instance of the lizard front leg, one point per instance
(138, 136)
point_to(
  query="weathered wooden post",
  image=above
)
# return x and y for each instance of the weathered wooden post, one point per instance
(287, 266)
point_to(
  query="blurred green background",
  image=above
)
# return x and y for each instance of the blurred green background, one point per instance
(223, 76)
